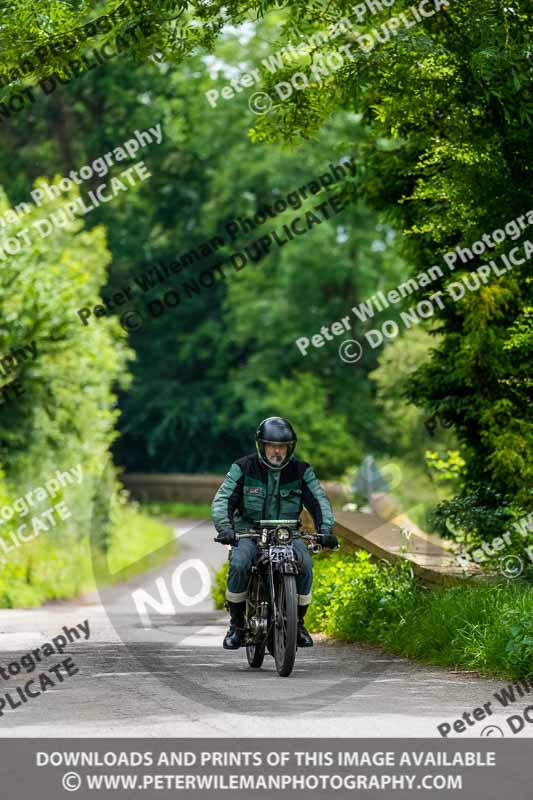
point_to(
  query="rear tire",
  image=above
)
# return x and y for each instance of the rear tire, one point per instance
(255, 653)
(285, 632)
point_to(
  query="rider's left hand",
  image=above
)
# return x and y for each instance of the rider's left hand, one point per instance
(327, 539)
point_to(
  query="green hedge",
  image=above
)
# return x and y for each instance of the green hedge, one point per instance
(67, 411)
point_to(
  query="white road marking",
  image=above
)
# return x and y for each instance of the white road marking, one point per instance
(166, 655)
(151, 672)
(179, 532)
(21, 639)
(210, 636)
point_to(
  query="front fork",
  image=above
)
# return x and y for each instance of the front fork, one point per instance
(275, 612)
(273, 601)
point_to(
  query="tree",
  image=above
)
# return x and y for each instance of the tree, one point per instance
(451, 95)
(64, 414)
(440, 113)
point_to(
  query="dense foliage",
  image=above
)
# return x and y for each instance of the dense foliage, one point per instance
(208, 370)
(488, 629)
(453, 95)
(438, 119)
(57, 568)
(62, 419)
(65, 413)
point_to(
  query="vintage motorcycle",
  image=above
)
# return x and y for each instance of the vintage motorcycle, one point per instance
(272, 601)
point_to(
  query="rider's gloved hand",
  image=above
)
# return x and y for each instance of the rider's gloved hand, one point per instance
(226, 536)
(327, 539)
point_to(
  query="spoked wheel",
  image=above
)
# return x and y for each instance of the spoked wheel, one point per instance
(286, 626)
(255, 653)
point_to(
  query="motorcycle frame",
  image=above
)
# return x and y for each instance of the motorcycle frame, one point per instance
(283, 567)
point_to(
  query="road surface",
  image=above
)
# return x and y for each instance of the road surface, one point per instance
(164, 672)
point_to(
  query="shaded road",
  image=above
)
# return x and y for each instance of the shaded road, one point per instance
(167, 674)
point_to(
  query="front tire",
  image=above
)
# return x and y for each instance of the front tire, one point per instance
(286, 629)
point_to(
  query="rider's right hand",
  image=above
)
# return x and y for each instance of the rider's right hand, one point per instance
(226, 536)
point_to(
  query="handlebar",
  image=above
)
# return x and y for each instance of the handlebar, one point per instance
(313, 539)
(254, 534)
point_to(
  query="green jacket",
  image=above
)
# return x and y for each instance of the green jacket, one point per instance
(250, 492)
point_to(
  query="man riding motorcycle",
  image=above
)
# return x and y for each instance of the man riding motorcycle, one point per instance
(269, 484)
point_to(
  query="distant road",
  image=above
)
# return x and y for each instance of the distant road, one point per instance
(169, 676)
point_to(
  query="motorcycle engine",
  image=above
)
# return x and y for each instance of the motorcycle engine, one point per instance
(258, 623)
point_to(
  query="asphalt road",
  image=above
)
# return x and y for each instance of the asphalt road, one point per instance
(163, 672)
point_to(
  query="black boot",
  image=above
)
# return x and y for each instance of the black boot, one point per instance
(235, 635)
(303, 640)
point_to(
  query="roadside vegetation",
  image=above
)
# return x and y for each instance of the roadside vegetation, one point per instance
(58, 568)
(446, 401)
(178, 510)
(487, 629)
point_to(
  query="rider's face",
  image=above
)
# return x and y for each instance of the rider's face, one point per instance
(275, 452)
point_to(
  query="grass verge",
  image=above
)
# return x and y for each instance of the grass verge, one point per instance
(483, 628)
(179, 510)
(48, 568)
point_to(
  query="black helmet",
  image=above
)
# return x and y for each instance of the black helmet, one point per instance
(275, 429)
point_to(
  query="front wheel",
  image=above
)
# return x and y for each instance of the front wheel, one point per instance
(286, 625)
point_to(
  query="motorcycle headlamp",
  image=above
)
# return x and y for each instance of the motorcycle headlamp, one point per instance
(283, 535)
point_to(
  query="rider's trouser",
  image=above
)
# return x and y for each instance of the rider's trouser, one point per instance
(241, 559)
